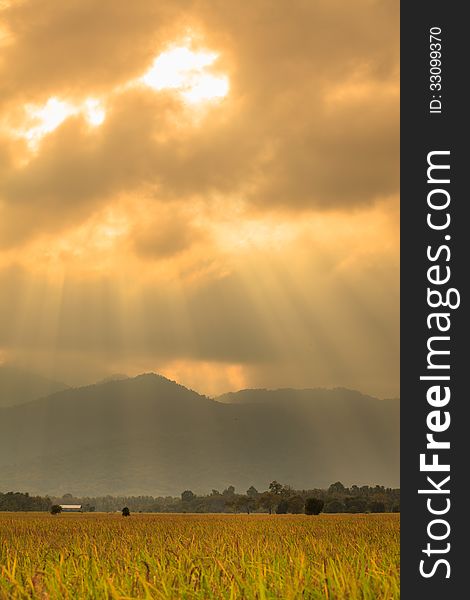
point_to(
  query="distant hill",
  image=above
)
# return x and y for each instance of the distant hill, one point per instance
(149, 435)
(18, 386)
(255, 396)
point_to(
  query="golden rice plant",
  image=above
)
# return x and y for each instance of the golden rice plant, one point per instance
(186, 557)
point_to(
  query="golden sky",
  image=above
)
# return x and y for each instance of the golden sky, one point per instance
(205, 189)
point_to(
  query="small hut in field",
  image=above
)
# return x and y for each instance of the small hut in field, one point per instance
(71, 507)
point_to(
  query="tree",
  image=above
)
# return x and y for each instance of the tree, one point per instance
(187, 496)
(126, 512)
(287, 491)
(313, 506)
(296, 505)
(377, 507)
(275, 488)
(230, 502)
(56, 509)
(282, 507)
(230, 491)
(252, 492)
(336, 488)
(269, 501)
(355, 505)
(244, 503)
(335, 506)
(250, 505)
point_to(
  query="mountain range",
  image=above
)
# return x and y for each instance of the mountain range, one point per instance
(18, 386)
(150, 435)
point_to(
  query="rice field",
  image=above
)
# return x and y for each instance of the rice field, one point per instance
(183, 557)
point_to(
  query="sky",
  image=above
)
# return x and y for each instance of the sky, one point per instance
(203, 189)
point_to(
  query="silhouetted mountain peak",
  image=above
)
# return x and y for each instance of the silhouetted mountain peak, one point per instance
(149, 434)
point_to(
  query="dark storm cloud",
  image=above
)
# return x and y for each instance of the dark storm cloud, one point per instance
(276, 141)
(80, 45)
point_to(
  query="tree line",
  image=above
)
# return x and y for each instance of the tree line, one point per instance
(278, 498)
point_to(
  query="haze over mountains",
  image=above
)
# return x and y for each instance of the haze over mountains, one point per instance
(150, 435)
(18, 386)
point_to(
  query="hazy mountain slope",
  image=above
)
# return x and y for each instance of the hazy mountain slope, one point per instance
(255, 396)
(151, 435)
(18, 386)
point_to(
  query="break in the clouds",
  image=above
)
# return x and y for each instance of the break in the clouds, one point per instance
(207, 189)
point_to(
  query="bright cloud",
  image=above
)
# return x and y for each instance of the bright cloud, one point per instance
(40, 120)
(184, 71)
